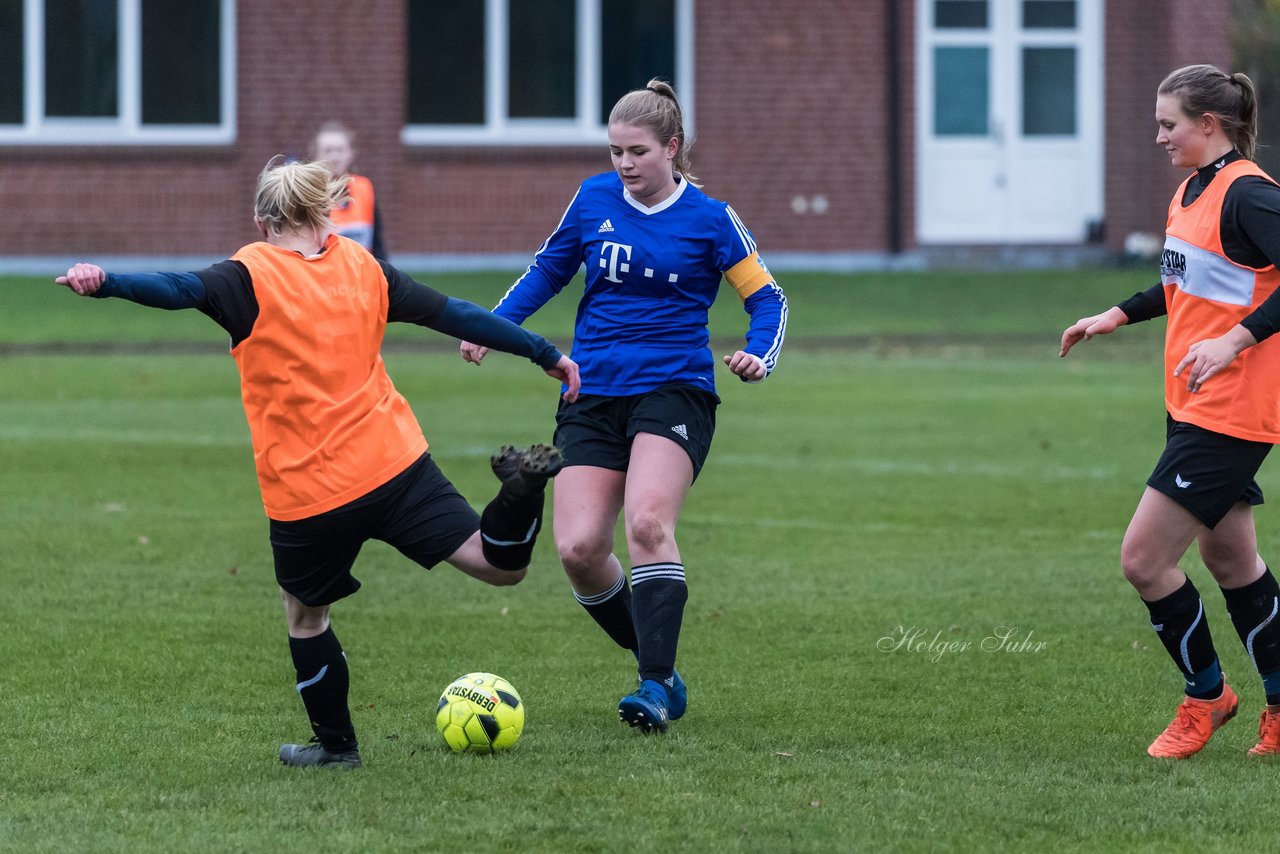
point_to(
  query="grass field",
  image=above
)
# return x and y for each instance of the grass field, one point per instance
(921, 468)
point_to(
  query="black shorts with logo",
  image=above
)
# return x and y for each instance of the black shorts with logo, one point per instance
(418, 511)
(596, 430)
(1208, 472)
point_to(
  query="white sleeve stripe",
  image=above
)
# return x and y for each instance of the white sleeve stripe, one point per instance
(771, 355)
(742, 230)
(743, 234)
(529, 269)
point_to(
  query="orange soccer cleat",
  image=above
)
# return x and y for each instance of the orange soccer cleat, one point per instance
(1268, 734)
(1193, 725)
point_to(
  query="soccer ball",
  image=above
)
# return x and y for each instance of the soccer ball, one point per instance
(480, 713)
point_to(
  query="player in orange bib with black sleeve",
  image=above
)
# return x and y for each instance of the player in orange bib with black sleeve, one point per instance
(340, 457)
(1219, 283)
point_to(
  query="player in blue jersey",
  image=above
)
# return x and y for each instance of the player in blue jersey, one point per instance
(655, 249)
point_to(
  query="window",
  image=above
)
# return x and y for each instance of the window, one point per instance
(961, 93)
(1049, 14)
(537, 72)
(960, 14)
(1049, 91)
(94, 72)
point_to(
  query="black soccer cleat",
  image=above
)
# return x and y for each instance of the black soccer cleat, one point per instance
(526, 472)
(316, 755)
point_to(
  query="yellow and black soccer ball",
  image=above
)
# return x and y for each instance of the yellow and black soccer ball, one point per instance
(480, 713)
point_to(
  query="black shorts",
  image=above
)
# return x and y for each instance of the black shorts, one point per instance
(596, 430)
(418, 512)
(1208, 472)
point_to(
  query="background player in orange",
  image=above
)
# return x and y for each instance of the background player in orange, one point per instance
(340, 457)
(356, 216)
(1222, 391)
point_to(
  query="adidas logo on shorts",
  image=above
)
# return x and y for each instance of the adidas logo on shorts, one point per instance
(681, 431)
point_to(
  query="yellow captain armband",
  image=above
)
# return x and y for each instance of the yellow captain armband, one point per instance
(748, 275)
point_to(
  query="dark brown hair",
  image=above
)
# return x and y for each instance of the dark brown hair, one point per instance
(1205, 89)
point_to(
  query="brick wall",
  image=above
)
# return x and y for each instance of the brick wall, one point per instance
(1141, 49)
(791, 109)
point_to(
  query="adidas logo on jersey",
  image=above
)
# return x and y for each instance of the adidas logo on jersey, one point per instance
(606, 227)
(681, 431)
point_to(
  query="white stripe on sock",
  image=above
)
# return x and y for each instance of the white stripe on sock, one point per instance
(314, 679)
(527, 537)
(599, 598)
(650, 571)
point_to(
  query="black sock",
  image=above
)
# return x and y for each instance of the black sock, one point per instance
(1183, 627)
(1255, 611)
(658, 597)
(612, 611)
(323, 681)
(509, 527)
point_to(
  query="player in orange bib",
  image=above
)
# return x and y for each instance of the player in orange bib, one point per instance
(340, 457)
(355, 216)
(1222, 392)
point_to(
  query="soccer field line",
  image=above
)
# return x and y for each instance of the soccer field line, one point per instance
(878, 527)
(126, 436)
(240, 438)
(967, 468)
(133, 436)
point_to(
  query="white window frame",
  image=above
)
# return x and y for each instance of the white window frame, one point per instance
(127, 127)
(586, 128)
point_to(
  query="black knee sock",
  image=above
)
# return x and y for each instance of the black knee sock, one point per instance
(1255, 611)
(658, 597)
(509, 527)
(1183, 627)
(612, 611)
(323, 681)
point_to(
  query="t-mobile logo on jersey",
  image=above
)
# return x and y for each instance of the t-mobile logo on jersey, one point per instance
(612, 250)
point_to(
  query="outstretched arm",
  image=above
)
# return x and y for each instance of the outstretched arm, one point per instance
(471, 323)
(170, 291)
(554, 264)
(1087, 327)
(413, 302)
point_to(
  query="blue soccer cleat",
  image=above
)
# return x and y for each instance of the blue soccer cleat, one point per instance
(677, 694)
(677, 697)
(646, 709)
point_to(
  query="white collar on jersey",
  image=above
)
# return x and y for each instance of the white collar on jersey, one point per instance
(670, 200)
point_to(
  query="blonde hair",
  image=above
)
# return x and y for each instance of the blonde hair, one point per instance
(1231, 98)
(656, 109)
(294, 195)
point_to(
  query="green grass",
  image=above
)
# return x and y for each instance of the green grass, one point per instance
(921, 461)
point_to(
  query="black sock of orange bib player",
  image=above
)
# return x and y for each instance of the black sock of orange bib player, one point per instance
(658, 594)
(1255, 611)
(1180, 622)
(323, 681)
(509, 527)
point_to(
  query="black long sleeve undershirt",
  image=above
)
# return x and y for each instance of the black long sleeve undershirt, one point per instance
(1250, 233)
(224, 292)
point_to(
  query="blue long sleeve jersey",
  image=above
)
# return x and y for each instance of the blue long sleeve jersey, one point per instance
(224, 292)
(652, 274)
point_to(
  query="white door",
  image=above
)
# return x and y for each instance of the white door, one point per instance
(1009, 121)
